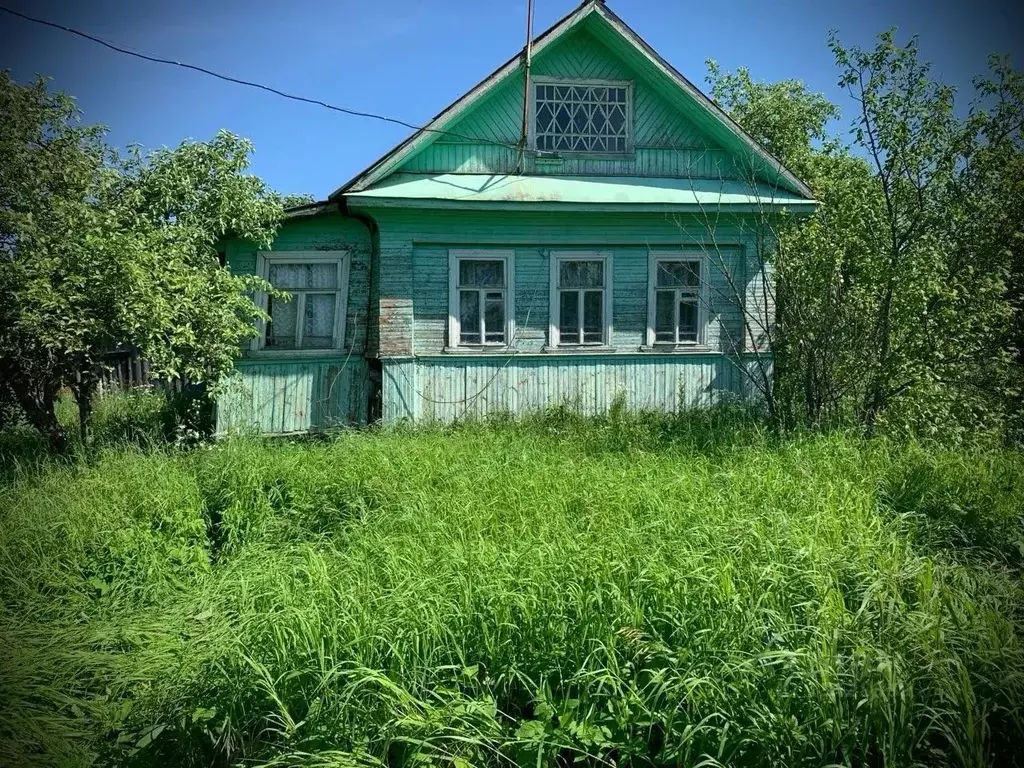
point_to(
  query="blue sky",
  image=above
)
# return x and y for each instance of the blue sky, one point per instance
(409, 59)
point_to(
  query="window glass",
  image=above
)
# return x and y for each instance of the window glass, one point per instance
(676, 301)
(481, 301)
(281, 330)
(688, 319)
(469, 317)
(581, 117)
(581, 285)
(308, 319)
(481, 273)
(664, 316)
(581, 274)
(494, 317)
(593, 317)
(299, 276)
(319, 330)
(682, 274)
(568, 317)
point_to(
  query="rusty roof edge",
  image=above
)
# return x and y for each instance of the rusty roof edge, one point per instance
(309, 209)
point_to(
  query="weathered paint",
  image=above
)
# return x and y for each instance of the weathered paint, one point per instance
(667, 142)
(414, 278)
(563, 50)
(290, 392)
(283, 396)
(448, 388)
(422, 381)
(626, 206)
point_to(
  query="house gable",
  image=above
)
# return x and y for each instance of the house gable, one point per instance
(666, 142)
(677, 131)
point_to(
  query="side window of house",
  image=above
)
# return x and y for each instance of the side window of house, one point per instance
(314, 315)
(481, 303)
(580, 299)
(676, 300)
(582, 116)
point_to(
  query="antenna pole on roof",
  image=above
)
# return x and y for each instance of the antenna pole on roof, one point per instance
(527, 55)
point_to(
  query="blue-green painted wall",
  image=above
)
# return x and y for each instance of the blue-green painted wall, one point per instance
(421, 380)
(667, 143)
(287, 392)
(398, 300)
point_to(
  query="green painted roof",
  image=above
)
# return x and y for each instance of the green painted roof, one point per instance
(582, 191)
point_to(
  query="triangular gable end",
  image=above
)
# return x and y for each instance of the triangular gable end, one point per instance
(623, 42)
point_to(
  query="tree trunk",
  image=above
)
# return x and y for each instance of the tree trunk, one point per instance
(84, 390)
(38, 401)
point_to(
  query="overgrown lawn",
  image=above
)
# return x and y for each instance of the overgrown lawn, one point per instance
(634, 590)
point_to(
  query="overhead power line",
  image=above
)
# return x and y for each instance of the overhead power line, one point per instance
(247, 83)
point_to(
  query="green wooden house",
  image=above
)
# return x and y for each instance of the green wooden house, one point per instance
(604, 239)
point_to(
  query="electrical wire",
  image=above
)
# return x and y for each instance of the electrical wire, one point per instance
(249, 83)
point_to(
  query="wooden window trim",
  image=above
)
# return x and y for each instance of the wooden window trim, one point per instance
(264, 260)
(508, 258)
(703, 295)
(554, 335)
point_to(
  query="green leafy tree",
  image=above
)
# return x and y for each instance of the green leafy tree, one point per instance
(101, 251)
(893, 301)
(941, 312)
(820, 265)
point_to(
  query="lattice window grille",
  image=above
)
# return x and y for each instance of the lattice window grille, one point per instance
(582, 117)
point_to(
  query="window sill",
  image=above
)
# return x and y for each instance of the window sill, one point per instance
(578, 349)
(678, 349)
(479, 350)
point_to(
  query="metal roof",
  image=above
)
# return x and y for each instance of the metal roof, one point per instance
(589, 192)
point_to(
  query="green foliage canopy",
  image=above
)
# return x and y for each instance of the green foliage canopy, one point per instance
(101, 250)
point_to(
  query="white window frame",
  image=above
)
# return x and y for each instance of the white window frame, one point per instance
(554, 334)
(703, 293)
(532, 124)
(264, 260)
(508, 259)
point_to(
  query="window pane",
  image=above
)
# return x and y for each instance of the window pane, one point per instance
(688, 319)
(469, 317)
(678, 274)
(581, 274)
(664, 316)
(581, 117)
(481, 273)
(318, 331)
(568, 317)
(593, 317)
(281, 330)
(297, 276)
(494, 317)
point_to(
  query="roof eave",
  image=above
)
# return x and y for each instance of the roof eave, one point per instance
(309, 209)
(355, 202)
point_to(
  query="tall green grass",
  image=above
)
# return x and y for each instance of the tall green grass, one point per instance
(636, 590)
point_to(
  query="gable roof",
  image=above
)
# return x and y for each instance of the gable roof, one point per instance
(706, 113)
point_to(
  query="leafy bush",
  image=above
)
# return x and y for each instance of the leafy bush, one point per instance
(634, 590)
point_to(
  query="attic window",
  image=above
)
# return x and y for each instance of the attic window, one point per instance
(582, 116)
